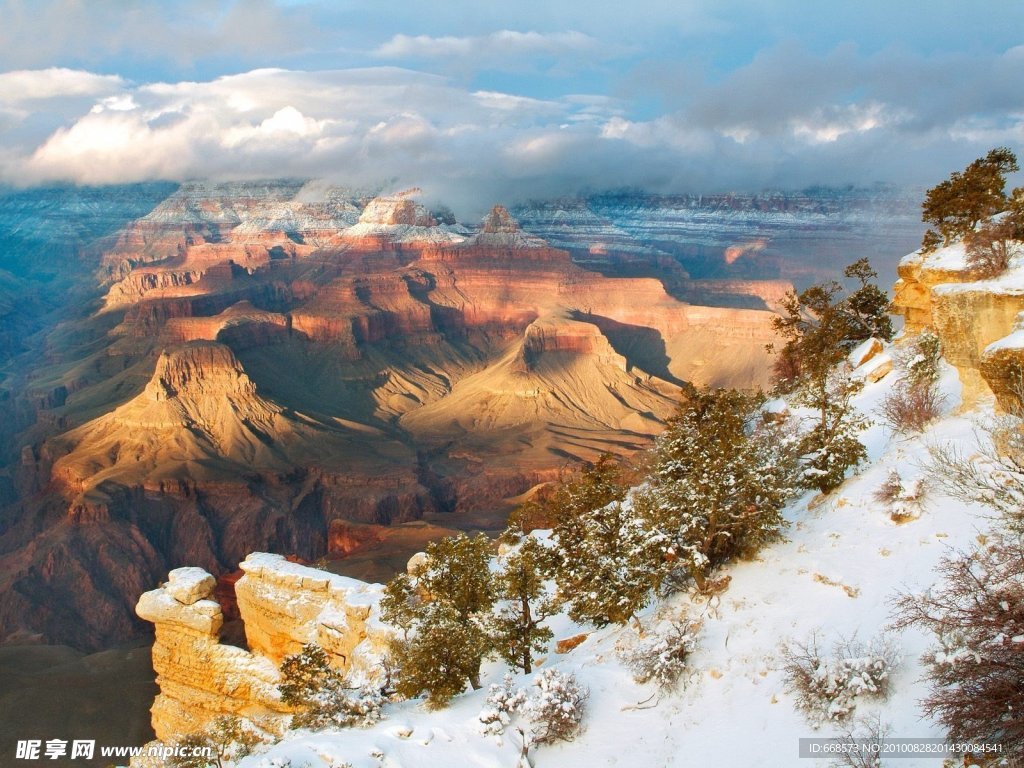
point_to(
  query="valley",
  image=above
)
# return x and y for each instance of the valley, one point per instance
(323, 372)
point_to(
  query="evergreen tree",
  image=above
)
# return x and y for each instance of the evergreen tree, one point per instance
(443, 610)
(956, 206)
(517, 627)
(719, 485)
(321, 693)
(608, 563)
(821, 325)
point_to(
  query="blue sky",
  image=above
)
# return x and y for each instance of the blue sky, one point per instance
(508, 99)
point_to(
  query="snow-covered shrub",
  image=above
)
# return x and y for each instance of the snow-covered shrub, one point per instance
(920, 358)
(553, 710)
(903, 500)
(503, 703)
(994, 476)
(990, 248)
(661, 657)
(977, 667)
(608, 563)
(227, 738)
(828, 687)
(865, 732)
(556, 708)
(321, 694)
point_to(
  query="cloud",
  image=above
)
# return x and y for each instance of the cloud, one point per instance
(505, 48)
(788, 118)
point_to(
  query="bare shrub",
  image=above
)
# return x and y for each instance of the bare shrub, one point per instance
(828, 687)
(990, 247)
(662, 656)
(993, 476)
(976, 668)
(910, 407)
(553, 712)
(867, 734)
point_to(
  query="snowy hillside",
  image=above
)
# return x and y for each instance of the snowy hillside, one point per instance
(843, 561)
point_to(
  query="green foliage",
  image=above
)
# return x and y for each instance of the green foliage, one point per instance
(608, 563)
(823, 323)
(832, 446)
(444, 611)
(321, 694)
(719, 486)
(445, 652)
(517, 628)
(955, 206)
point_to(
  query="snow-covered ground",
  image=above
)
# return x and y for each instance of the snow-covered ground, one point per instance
(841, 563)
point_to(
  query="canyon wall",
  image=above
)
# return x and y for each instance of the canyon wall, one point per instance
(283, 606)
(940, 291)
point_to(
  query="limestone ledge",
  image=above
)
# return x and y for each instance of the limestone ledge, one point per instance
(941, 292)
(283, 606)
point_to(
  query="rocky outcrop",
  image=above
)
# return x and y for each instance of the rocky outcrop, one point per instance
(283, 606)
(940, 291)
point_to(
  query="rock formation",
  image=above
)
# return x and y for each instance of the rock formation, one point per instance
(940, 291)
(283, 606)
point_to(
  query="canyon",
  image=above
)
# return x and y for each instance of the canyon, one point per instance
(315, 371)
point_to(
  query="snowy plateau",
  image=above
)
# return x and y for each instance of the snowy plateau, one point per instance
(841, 563)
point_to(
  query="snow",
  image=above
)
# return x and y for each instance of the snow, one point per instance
(836, 573)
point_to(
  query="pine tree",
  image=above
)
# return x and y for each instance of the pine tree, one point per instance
(719, 483)
(821, 325)
(608, 563)
(517, 626)
(958, 204)
(444, 611)
(321, 693)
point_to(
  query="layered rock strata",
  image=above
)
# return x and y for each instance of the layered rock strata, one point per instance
(283, 606)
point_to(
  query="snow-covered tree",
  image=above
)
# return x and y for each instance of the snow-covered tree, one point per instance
(719, 483)
(517, 626)
(609, 560)
(322, 695)
(832, 446)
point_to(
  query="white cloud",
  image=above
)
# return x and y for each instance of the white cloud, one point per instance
(23, 85)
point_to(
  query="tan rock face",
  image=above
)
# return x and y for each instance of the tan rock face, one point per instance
(939, 291)
(283, 606)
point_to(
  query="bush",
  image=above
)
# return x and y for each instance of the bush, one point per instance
(990, 248)
(608, 563)
(904, 501)
(909, 408)
(310, 683)
(719, 485)
(661, 657)
(503, 703)
(553, 711)
(920, 358)
(227, 739)
(866, 731)
(556, 709)
(977, 619)
(828, 688)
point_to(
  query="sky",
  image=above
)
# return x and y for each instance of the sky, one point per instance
(474, 100)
